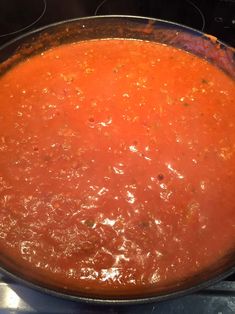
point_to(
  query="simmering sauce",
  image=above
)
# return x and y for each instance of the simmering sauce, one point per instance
(117, 165)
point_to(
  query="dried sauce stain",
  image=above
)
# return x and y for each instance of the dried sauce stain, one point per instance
(113, 172)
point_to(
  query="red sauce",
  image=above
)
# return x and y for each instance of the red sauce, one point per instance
(117, 165)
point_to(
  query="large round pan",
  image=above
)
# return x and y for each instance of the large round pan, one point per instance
(176, 35)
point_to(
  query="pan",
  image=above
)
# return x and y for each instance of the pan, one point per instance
(164, 32)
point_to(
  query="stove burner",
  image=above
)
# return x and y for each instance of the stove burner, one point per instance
(17, 16)
(99, 7)
(187, 13)
(200, 12)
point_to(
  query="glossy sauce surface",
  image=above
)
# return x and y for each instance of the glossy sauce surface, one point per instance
(117, 165)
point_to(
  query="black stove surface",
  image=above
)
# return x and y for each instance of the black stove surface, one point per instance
(215, 17)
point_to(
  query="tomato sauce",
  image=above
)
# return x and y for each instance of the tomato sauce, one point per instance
(117, 165)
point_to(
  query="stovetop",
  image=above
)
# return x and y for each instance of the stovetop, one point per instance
(216, 17)
(15, 298)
